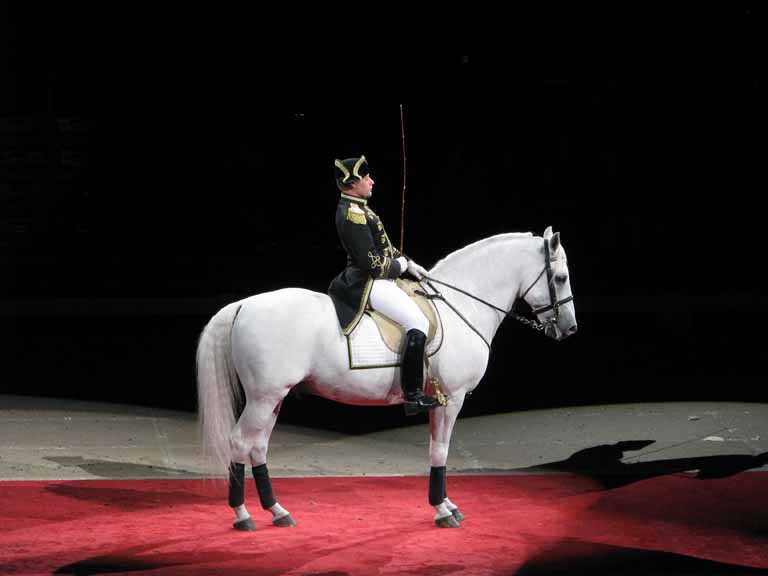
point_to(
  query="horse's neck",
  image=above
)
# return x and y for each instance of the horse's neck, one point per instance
(492, 269)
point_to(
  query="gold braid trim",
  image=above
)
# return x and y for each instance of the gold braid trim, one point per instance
(343, 169)
(380, 265)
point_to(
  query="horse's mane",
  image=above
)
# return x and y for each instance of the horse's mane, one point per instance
(481, 245)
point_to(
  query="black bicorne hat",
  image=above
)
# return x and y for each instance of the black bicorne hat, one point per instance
(350, 170)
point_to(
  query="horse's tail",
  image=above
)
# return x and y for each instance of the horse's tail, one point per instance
(218, 389)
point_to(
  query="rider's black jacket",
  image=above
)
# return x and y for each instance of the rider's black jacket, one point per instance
(370, 255)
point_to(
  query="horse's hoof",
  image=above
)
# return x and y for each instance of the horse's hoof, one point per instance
(286, 521)
(457, 514)
(447, 522)
(246, 525)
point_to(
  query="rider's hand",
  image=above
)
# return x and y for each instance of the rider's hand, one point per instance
(416, 271)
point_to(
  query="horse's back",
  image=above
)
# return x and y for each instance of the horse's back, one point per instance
(283, 328)
(286, 297)
(287, 308)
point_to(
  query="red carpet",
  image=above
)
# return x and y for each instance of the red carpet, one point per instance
(521, 524)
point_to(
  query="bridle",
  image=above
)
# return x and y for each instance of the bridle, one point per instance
(550, 324)
(554, 303)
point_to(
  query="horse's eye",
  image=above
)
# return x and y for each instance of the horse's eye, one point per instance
(561, 278)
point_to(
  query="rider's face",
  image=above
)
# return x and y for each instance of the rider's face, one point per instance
(363, 188)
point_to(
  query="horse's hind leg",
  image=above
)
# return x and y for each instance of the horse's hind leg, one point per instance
(251, 439)
(237, 497)
(280, 516)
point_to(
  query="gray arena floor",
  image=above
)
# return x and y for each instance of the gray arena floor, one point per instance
(45, 439)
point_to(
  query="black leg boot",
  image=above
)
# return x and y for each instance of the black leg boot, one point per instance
(412, 374)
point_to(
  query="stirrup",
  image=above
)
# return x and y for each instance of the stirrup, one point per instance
(420, 403)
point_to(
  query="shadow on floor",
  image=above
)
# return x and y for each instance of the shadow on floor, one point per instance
(604, 464)
(576, 557)
(119, 470)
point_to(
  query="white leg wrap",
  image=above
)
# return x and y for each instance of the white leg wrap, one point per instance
(242, 513)
(442, 511)
(450, 505)
(278, 511)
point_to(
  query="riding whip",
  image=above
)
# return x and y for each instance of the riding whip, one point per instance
(402, 205)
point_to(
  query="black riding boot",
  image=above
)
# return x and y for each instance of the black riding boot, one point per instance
(412, 374)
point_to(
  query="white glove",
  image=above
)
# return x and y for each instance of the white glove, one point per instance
(403, 264)
(417, 271)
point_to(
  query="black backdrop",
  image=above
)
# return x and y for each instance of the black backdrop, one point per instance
(150, 176)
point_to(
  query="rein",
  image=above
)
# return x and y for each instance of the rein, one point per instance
(438, 296)
(535, 324)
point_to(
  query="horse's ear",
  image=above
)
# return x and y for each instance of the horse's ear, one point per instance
(548, 232)
(554, 243)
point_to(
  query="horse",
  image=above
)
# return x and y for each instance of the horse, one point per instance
(269, 343)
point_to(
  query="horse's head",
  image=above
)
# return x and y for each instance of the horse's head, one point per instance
(549, 295)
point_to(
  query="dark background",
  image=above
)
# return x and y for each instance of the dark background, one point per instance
(154, 169)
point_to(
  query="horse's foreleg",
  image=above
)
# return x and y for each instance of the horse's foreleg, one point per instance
(441, 421)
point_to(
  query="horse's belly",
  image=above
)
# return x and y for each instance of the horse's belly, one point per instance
(370, 387)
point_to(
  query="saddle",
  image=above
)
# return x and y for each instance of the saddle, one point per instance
(377, 341)
(393, 333)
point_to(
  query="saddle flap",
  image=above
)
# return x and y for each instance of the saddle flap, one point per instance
(391, 332)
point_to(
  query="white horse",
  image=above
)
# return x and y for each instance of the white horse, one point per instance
(273, 341)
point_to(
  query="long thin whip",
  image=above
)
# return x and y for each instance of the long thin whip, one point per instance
(402, 205)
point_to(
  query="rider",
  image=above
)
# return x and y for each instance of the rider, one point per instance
(372, 265)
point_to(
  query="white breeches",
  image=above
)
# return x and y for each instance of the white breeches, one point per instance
(388, 299)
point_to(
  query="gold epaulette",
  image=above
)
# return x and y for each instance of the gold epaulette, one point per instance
(355, 214)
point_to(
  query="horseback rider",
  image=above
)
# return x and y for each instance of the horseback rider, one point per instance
(369, 278)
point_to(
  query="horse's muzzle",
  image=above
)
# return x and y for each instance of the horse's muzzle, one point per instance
(555, 333)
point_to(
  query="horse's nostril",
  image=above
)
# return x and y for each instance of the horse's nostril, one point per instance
(572, 329)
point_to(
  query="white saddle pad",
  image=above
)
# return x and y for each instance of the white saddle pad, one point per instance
(367, 349)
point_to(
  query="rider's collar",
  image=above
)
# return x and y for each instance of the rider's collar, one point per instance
(362, 201)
